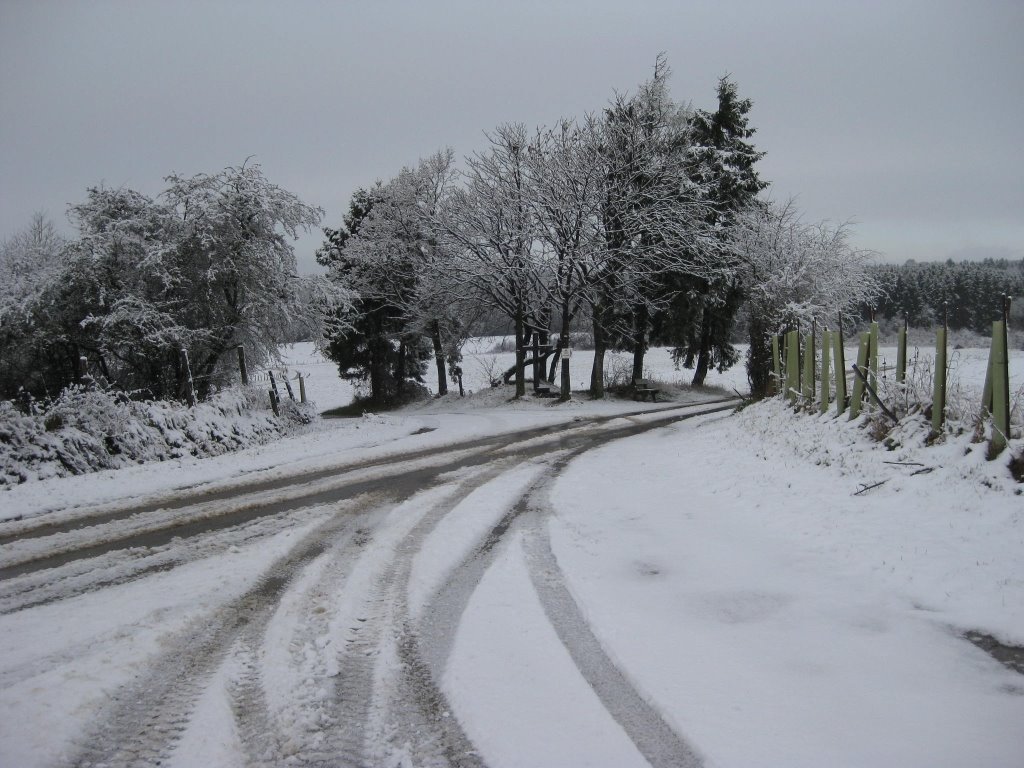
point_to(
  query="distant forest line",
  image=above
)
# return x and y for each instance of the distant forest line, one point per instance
(969, 292)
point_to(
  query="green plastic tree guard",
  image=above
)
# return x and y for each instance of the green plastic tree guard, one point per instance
(1000, 375)
(792, 365)
(837, 338)
(826, 339)
(901, 354)
(807, 392)
(939, 395)
(873, 360)
(858, 382)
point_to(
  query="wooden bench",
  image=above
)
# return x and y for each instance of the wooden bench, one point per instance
(642, 388)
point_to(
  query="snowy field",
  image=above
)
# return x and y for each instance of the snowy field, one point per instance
(727, 578)
(480, 359)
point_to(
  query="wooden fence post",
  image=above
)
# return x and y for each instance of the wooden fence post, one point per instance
(840, 366)
(858, 381)
(826, 339)
(792, 365)
(873, 355)
(302, 389)
(273, 384)
(288, 386)
(273, 402)
(939, 394)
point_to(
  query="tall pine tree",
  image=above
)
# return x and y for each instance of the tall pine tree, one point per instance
(722, 162)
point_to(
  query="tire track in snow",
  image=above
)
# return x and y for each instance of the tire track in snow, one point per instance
(118, 567)
(50, 524)
(441, 616)
(145, 719)
(398, 708)
(659, 744)
(387, 694)
(31, 548)
(266, 740)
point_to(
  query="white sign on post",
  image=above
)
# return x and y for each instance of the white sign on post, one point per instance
(565, 354)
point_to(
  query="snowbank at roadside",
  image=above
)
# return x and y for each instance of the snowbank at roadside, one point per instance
(86, 430)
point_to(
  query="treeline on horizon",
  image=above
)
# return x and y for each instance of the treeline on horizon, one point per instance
(968, 294)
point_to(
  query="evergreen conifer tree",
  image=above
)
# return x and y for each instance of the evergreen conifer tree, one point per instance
(722, 162)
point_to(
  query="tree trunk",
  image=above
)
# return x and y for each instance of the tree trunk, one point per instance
(640, 318)
(759, 358)
(520, 320)
(565, 392)
(378, 360)
(554, 361)
(704, 354)
(75, 358)
(442, 377)
(597, 372)
(400, 367)
(242, 370)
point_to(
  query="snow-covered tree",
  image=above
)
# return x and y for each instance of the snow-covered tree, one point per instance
(722, 163)
(489, 230)
(204, 268)
(237, 264)
(565, 185)
(793, 273)
(653, 214)
(392, 262)
(29, 260)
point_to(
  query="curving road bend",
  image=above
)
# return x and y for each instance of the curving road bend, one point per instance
(304, 621)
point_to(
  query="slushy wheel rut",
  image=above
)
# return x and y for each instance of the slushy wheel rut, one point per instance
(146, 718)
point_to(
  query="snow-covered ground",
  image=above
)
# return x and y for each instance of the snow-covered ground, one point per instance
(724, 590)
(776, 617)
(481, 359)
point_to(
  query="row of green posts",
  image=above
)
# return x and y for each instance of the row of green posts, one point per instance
(811, 385)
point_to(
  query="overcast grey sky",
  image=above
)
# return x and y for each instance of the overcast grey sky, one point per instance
(907, 117)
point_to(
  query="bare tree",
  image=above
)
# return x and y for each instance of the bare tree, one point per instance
(489, 228)
(566, 181)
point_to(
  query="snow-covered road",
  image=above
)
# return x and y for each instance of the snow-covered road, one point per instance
(597, 584)
(318, 619)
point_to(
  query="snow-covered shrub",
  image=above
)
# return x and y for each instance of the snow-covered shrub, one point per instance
(86, 430)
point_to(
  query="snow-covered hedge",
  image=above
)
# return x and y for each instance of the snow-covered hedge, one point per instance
(86, 430)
